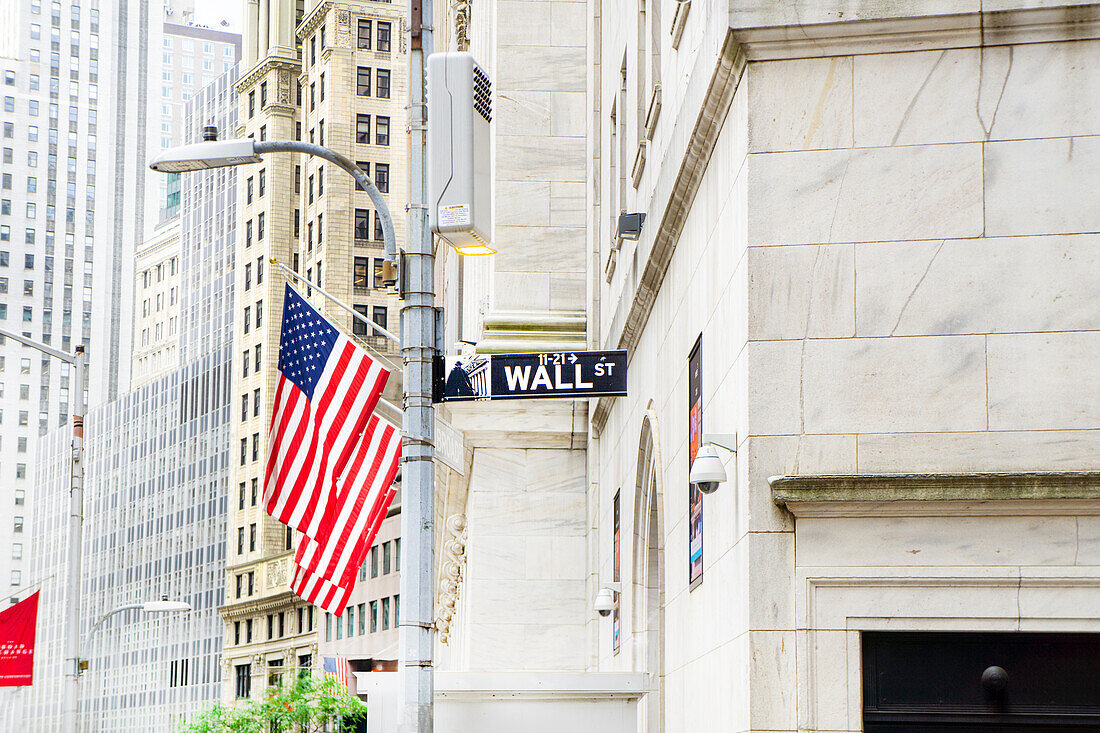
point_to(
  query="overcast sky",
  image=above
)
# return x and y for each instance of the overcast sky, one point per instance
(212, 12)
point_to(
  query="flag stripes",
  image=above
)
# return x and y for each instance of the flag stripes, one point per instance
(331, 463)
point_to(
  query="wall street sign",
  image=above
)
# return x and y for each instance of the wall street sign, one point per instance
(531, 376)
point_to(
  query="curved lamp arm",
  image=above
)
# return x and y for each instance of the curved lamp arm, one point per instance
(380, 205)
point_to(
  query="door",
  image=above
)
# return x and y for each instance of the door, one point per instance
(980, 682)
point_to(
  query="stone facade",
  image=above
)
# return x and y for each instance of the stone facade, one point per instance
(299, 82)
(873, 216)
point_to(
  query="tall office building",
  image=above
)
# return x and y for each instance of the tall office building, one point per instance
(335, 76)
(57, 243)
(192, 56)
(157, 486)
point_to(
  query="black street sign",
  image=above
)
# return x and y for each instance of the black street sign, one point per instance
(531, 376)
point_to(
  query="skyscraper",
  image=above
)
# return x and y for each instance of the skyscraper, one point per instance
(334, 76)
(157, 484)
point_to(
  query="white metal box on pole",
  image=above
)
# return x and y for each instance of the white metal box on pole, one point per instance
(460, 110)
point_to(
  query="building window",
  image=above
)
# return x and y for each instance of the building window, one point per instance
(255, 490)
(321, 85)
(364, 33)
(255, 446)
(240, 540)
(240, 503)
(244, 681)
(382, 130)
(374, 561)
(251, 104)
(244, 451)
(378, 264)
(252, 537)
(17, 526)
(360, 327)
(362, 231)
(378, 315)
(361, 271)
(259, 226)
(397, 554)
(261, 180)
(382, 177)
(362, 83)
(362, 129)
(373, 616)
(351, 621)
(328, 627)
(256, 402)
(383, 36)
(362, 619)
(263, 95)
(364, 166)
(385, 613)
(385, 558)
(257, 360)
(382, 83)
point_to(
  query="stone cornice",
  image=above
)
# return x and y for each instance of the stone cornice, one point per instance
(257, 606)
(261, 70)
(825, 30)
(311, 22)
(938, 493)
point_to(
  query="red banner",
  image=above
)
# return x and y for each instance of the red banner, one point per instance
(17, 626)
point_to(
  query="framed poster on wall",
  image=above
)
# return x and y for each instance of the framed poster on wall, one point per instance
(695, 440)
(616, 619)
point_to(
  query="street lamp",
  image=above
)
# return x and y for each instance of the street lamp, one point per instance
(76, 529)
(418, 347)
(162, 606)
(214, 153)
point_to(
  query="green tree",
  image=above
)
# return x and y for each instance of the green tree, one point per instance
(306, 705)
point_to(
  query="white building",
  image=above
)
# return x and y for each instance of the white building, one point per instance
(157, 492)
(868, 260)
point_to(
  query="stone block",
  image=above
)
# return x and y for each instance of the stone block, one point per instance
(538, 249)
(866, 195)
(1042, 186)
(1044, 381)
(799, 292)
(523, 203)
(1056, 450)
(928, 384)
(523, 22)
(937, 541)
(521, 291)
(801, 104)
(1002, 285)
(926, 97)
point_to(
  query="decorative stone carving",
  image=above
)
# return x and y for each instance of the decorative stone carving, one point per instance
(462, 24)
(283, 81)
(276, 573)
(343, 37)
(452, 571)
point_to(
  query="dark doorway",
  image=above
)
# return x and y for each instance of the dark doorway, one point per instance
(981, 682)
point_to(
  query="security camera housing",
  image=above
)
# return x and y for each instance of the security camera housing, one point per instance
(605, 602)
(707, 470)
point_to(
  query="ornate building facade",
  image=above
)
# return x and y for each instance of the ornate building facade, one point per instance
(332, 74)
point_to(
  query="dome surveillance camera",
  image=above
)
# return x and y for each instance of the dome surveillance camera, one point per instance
(707, 470)
(605, 602)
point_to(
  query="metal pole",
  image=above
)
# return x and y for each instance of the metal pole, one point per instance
(71, 691)
(418, 346)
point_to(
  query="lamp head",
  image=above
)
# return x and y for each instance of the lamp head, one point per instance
(207, 154)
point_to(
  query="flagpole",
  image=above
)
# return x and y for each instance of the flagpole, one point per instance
(291, 273)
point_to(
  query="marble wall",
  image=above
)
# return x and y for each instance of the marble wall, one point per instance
(889, 257)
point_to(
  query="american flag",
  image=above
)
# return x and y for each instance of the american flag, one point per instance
(336, 668)
(327, 388)
(362, 497)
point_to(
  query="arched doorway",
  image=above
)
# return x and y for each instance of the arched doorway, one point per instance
(648, 591)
